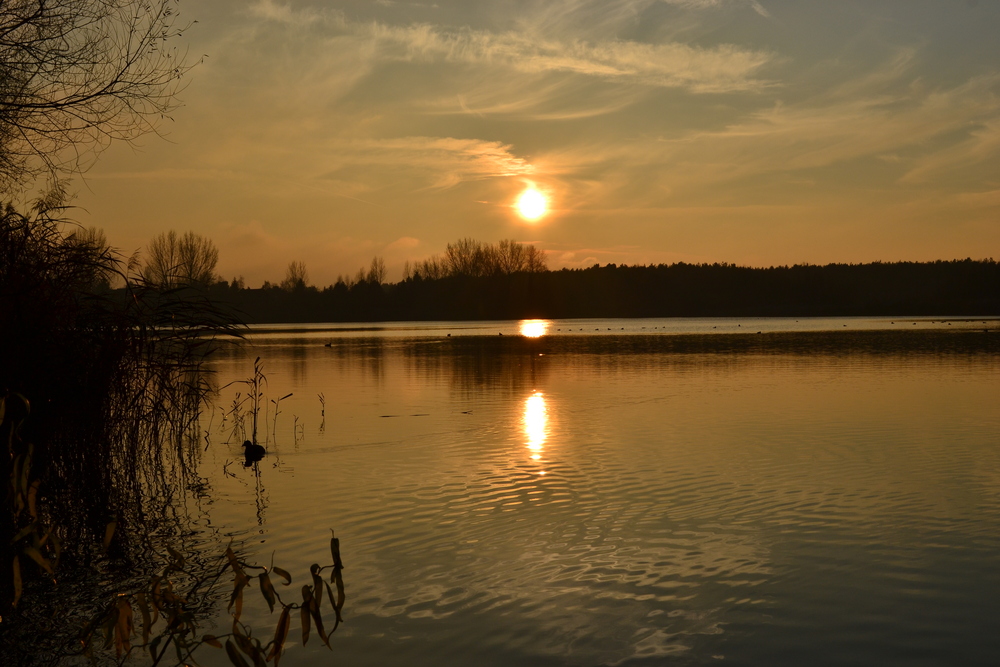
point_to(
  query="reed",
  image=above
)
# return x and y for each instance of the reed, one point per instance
(102, 390)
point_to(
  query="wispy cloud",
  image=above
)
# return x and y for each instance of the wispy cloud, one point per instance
(705, 4)
(715, 69)
(442, 161)
(919, 134)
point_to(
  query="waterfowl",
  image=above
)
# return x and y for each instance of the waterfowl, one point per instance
(252, 451)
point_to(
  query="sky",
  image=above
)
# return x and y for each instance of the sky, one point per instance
(755, 132)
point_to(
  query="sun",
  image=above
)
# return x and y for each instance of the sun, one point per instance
(531, 204)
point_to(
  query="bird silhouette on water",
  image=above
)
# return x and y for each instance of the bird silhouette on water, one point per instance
(253, 453)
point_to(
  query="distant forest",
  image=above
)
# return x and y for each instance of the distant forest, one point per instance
(438, 290)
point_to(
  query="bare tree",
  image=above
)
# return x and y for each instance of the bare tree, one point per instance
(96, 241)
(535, 260)
(173, 260)
(296, 276)
(77, 74)
(464, 257)
(510, 257)
(468, 257)
(432, 268)
(376, 272)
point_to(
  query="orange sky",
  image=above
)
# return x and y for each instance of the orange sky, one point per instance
(660, 130)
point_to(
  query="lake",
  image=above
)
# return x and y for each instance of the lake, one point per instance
(628, 492)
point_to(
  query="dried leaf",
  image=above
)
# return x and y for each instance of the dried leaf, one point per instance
(26, 469)
(249, 646)
(280, 634)
(155, 598)
(35, 555)
(338, 564)
(176, 556)
(317, 585)
(109, 532)
(236, 600)
(147, 621)
(340, 593)
(18, 584)
(110, 623)
(211, 641)
(234, 562)
(33, 499)
(267, 590)
(304, 614)
(152, 647)
(283, 574)
(24, 532)
(234, 655)
(318, 619)
(123, 628)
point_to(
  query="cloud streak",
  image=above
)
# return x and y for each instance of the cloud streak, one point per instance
(673, 65)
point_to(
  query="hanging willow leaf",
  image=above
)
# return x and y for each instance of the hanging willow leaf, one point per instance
(234, 655)
(338, 564)
(109, 532)
(35, 555)
(318, 620)
(18, 584)
(110, 623)
(340, 594)
(280, 634)
(176, 556)
(305, 611)
(153, 645)
(211, 641)
(147, 621)
(24, 532)
(283, 574)
(234, 562)
(267, 590)
(123, 628)
(249, 646)
(314, 570)
(33, 499)
(236, 600)
(242, 641)
(26, 469)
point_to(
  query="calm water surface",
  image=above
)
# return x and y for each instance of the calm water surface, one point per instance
(544, 505)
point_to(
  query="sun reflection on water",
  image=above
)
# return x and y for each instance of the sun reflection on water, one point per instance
(536, 423)
(534, 328)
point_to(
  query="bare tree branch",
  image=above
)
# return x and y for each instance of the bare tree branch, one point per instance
(78, 74)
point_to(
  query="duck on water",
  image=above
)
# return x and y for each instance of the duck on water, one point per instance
(253, 452)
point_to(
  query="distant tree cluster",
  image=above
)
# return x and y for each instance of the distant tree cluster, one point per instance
(174, 260)
(374, 275)
(296, 277)
(961, 287)
(476, 280)
(474, 259)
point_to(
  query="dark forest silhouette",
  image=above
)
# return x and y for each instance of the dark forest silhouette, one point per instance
(959, 287)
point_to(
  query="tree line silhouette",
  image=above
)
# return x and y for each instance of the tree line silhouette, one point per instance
(453, 290)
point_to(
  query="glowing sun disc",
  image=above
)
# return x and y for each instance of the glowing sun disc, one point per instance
(531, 204)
